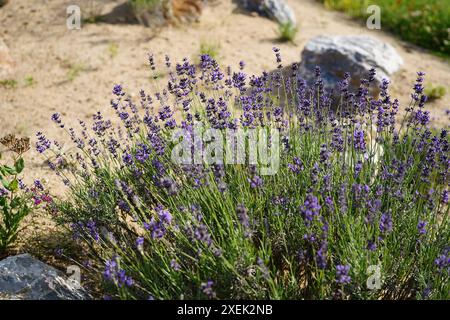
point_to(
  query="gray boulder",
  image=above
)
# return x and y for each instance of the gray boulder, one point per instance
(276, 10)
(336, 55)
(26, 278)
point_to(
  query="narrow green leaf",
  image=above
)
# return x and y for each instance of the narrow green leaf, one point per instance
(9, 170)
(5, 182)
(19, 165)
(14, 185)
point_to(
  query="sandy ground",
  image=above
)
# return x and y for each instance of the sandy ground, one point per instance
(74, 70)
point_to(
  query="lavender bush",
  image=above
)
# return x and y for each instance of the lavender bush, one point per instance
(357, 190)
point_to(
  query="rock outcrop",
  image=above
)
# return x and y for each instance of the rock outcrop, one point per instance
(26, 278)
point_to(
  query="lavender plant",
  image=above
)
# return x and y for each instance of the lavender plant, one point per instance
(356, 190)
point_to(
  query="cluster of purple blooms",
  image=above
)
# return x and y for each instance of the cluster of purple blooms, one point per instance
(207, 289)
(85, 229)
(158, 226)
(114, 273)
(3, 192)
(342, 276)
(42, 143)
(443, 261)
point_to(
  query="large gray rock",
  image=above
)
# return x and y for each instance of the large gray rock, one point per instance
(276, 10)
(336, 55)
(26, 278)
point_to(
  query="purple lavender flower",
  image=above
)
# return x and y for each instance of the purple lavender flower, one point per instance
(174, 265)
(164, 215)
(38, 185)
(372, 73)
(117, 90)
(169, 185)
(56, 118)
(422, 117)
(127, 159)
(59, 252)
(81, 229)
(151, 61)
(310, 208)
(43, 143)
(142, 153)
(263, 268)
(386, 223)
(359, 141)
(342, 276)
(384, 90)
(310, 237)
(337, 141)
(139, 242)
(321, 255)
(371, 245)
(239, 81)
(255, 182)
(244, 220)
(158, 227)
(167, 61)
(442, 262)
(329, 204)
(358, 168)
(426, 292)
(113, 273)
(22, 185)
(445, 196)
(93, 231)
(100, 125)
(418, 86)
(278, 57)
(124, 279)
(202, 234)
(324, 154)
(207, 288)
(423, 100)
(421, 227)
(110, 269)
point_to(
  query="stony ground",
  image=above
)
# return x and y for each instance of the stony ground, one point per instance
(73, 71)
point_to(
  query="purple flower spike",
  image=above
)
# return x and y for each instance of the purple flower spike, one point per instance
(342, 276)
